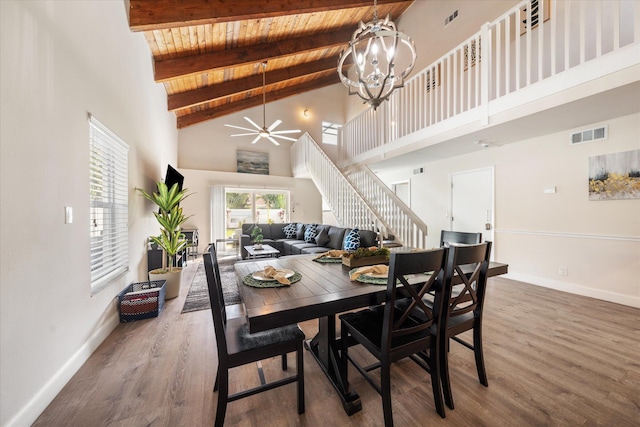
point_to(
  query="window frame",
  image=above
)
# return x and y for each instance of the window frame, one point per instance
(108, 206)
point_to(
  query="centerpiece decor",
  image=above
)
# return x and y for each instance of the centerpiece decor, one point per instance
(366, 256)
(171, 239)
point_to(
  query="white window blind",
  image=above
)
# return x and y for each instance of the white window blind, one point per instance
(109, 210)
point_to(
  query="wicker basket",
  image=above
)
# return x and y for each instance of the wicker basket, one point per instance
(141, 300)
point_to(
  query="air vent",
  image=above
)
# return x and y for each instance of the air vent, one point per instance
(589, 135)
(418, 171)
(450, 18)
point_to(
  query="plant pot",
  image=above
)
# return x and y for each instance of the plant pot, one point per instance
(173, 278)
(257, 246)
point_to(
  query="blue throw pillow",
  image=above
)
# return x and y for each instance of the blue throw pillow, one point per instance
(310, 233)
(290, 231)
(351, 240)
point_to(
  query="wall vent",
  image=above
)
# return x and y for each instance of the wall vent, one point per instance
(418, 171)
(589, 135)
(450, 18)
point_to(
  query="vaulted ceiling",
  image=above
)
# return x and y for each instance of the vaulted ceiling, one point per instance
(208, 53)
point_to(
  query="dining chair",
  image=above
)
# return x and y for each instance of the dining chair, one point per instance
(463, 237)
(237, 347)
(464, 307)
(390, 333)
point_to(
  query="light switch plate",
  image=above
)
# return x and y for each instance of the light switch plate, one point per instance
(68, 215)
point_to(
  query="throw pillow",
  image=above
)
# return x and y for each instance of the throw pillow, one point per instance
(310, 233)
(351, 240)
(322, 238)
(290, 231)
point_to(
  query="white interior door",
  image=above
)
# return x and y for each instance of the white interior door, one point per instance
(472, 202)
(403, 191)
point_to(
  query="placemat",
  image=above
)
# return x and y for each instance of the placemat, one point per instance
(328, 260)
(363, 278)
(250, 281)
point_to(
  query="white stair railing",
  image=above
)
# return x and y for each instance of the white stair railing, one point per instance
(407, 227)
(504, 57)
(350, 207)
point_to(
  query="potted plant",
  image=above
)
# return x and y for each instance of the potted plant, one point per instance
(171, 239)
(257, 237)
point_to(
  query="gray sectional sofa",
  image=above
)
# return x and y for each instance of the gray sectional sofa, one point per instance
(327, 237)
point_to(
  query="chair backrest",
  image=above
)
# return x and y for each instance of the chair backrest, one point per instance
(467, 264)
(216, 270)
(217, 304)
(447, 237)
(409, 268)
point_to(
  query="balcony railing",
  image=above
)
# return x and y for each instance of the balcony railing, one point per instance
(502, 58)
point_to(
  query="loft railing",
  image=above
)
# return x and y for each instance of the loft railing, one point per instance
(407, 227)
(503, 57)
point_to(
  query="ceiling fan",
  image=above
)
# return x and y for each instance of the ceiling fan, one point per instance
(264, 131)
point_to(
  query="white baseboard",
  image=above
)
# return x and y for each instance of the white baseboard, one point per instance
(630, 300)
(39, 402)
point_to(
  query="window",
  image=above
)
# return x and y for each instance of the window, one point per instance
(255, 206)
(330, 133)
(109, 208)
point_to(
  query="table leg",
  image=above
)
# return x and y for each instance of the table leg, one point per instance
(324, 348)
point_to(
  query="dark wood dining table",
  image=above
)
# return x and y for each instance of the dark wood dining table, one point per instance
(323, 291)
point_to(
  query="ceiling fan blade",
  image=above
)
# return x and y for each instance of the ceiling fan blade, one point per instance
(246, 134)
(256, 140)
(253, 123)
(283, 137)
(279, 132)
(240, 127)
(273, 140)
(274, 125)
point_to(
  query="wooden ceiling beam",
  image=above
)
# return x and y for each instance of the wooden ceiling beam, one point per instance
(146, 15)
(175, 68)
(253, 101)
(190, 98)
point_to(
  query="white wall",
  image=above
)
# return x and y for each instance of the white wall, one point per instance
(307, 201)
(59, 61)
(598, 241)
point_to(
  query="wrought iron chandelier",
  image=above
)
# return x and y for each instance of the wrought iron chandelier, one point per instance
(382, 57)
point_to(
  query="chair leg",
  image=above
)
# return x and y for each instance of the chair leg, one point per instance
(215, 384)
(300, 376)
(444, 376)
(223, 394)
(477, 350)
(436, 382)
(385, 391)
(284, 362)
(344, 360)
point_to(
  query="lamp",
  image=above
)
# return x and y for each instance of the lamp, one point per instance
(305, 113)
(382, 57)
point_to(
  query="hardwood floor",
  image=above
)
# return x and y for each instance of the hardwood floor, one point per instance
(553, 359)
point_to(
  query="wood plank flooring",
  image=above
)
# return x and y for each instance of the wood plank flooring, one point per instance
(552, 358)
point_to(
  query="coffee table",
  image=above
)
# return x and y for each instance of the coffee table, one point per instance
(266, 251)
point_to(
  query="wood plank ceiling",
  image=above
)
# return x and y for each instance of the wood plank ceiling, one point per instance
(207, 53)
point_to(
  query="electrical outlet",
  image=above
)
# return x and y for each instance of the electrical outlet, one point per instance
(563, 270)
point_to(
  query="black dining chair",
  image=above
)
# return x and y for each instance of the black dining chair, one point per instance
(237, 347)
(464, 305)
(467, 238)
(390, 333)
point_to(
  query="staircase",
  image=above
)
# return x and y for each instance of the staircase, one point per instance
(360, 200)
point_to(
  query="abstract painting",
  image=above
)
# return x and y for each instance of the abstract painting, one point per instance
(615, 176)
(253, 162)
